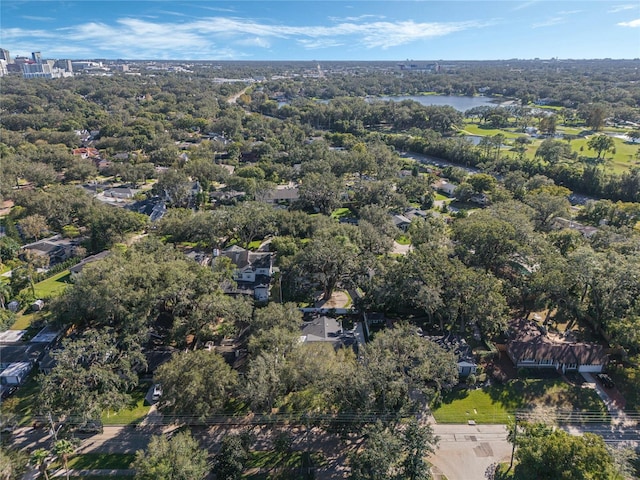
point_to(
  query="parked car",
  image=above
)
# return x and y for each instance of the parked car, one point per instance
(606, 380)
(93, 426)
(157, 392)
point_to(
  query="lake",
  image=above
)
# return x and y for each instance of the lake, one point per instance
(459, 103)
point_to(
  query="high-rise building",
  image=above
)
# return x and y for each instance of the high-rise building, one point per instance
(3, 68)
(4, 55)
(43, 70)
(37, 57)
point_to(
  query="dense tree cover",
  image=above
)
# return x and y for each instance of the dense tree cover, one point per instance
(392, 452)
(543, 452)
(177, 458)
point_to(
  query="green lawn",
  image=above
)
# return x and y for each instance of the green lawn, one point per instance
(136, 411)
(472, 128)
(254, 245)
(403, 240)
(92, 461)
(494, 404)
(24, 320)
(53, 286)
(341, 212)
(20, 404)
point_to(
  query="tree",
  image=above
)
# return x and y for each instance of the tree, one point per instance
(547, 207)
(553, 151)
(178, 458)
(64, 449)
(195, 383)
(321, 191)
(390, 452)
(40, 459)
(544, 453)
(601, 144)
(92, 374)
(33, 226)
(380, 452)
(595, 114)
(231, 458)
(328, 260)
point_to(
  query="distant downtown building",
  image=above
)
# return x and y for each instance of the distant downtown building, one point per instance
(4, 55)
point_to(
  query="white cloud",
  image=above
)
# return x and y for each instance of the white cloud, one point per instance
(254, 42)
(569, 12)
(356, 19)
(208, 37)
(523, 6)
(38, 19)
(633, 23)
(550, 22)
(622, 8)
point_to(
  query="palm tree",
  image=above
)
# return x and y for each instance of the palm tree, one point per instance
(39, 459)
(63, 449)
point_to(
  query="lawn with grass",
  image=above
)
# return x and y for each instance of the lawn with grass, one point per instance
(20, 405)
(100, 461)
(472, 128)
(53, 286)
(254, 245)
(338, 213)
(24, 320)
(496, 403)
(403, 240)
(136, 411)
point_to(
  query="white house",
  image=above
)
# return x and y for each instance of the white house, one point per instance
(445, 187)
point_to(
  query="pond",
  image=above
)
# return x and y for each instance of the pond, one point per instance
(459, 103)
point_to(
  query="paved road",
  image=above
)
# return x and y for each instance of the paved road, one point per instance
(465, 451)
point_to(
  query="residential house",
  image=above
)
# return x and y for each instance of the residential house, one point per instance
(77, 269)
(445, 187)
(401, 222)
(453, 343)
(530, 346)
(58, 249)
(155, 208)
(86, 152)
(320, 328)
(15, 373)
(120, 193)
(585, 230)
(253, 271)
(280, 194)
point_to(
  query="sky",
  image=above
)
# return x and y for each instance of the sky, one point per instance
(321, 30)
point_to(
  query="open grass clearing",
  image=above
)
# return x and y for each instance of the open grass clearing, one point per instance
(472, 128)
(496, 403)
(54, 285)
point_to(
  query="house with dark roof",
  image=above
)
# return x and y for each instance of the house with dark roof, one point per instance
(453, 343)
(530, 346)
(154, 208)
(58, 249)
(320, 328)
(77, 269)
(253, 271)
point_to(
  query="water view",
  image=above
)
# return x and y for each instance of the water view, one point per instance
(459, 103)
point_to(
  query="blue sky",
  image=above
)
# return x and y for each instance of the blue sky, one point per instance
(321, 30)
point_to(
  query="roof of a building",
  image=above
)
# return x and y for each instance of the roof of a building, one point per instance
(530, 342)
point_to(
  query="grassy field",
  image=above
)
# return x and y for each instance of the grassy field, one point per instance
(473, 128)
(54, 285)
(134, 414)
(24, 320)
(341, 212)
(496, 403)
(92, 461)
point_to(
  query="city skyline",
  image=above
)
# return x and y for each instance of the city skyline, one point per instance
(327, 30)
